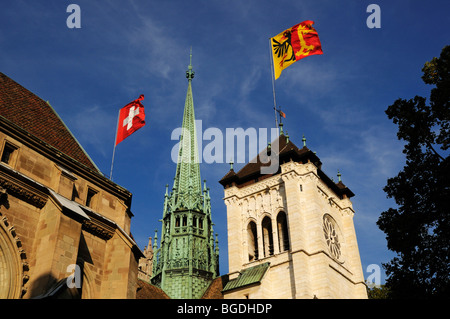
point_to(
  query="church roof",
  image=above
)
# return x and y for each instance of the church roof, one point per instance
(146, 290)
(287, 151)
(28, 111)
(189, 206)
(248, 276)
(214, 291)
(187, 177)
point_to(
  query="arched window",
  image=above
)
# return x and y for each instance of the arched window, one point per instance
(267, 236)
(283, 235)
(252, 240)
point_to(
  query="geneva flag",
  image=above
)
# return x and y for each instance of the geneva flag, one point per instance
(294, 44)
(131, 118)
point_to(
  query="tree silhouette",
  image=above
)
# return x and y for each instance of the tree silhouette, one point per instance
(418, 230)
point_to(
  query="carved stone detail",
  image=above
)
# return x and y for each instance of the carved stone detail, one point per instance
(98, 228)
(332, 237)
(17, 246)
(38, 200)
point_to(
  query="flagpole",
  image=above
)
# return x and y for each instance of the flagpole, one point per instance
(114, 150)
(273, 83)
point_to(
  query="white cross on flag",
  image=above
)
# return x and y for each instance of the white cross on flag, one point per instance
(131, 118)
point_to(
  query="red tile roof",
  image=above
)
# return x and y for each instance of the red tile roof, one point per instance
(214, 291)
(28, 111)
(146, 290)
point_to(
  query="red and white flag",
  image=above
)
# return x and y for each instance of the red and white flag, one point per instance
(131, 118)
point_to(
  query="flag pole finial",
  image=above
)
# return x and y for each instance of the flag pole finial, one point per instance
(273, 84)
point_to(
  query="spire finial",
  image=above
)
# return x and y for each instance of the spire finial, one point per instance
(217, 244)
(155, 244)
(304, 140)
(339, 176)
(231, 164)
(189, 72)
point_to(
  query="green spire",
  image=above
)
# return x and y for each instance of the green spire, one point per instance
(187, 180)
(281, 128)
(188, 258)
(155, 244)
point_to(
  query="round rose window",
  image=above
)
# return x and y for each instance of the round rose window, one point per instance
(331, 237)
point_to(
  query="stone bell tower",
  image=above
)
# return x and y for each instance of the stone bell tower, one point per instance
(188, 257)
(291, 233)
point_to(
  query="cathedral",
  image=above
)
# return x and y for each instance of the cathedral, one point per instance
(64, 226)
(293, 226)
(65, 229)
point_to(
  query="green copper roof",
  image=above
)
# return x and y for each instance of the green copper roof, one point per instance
(188, 257)
(248, 276)
(187, 182)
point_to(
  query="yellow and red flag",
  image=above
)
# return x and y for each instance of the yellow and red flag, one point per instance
(294, 44)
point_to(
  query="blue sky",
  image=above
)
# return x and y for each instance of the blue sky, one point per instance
(127, 48)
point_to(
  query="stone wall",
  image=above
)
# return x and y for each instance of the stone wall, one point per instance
(322, 260)
(48, 223)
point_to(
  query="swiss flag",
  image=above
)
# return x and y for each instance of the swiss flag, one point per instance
(131, 118)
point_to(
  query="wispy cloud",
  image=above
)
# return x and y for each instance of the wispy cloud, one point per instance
(95, 128)
(380, 146)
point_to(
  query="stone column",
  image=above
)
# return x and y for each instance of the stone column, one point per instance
(234, 230)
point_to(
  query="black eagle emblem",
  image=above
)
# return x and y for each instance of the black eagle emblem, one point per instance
(282, 48)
